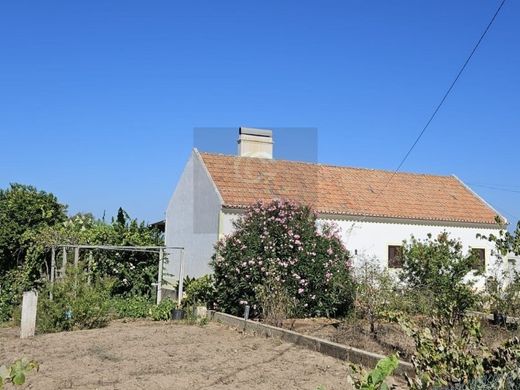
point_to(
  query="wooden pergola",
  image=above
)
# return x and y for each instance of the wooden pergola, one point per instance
(160, 250)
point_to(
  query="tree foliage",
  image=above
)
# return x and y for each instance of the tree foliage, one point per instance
(438, 267)
(505, 242)
(32, 221)
(281, 240)
(22, 210)
(134, 272)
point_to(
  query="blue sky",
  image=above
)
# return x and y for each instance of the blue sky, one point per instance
(99, 100)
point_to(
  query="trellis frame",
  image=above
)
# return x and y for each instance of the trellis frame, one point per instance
(128, 248)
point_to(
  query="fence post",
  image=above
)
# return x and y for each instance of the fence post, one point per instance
(76, 256)
(181, 277)
(53, 269)
(64, 262)
(29, 306)
(160, 275)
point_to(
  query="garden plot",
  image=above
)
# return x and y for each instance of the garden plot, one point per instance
(145, 354)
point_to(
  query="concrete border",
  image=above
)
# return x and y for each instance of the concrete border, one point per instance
(338, 351)
(489, 317)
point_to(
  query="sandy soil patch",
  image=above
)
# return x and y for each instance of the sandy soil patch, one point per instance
(152, 355)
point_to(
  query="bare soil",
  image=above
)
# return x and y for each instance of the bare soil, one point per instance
(153, 355)
(389, 337)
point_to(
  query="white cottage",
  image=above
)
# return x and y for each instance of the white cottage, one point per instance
(215, 189)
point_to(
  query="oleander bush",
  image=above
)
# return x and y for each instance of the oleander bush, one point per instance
(281, 240)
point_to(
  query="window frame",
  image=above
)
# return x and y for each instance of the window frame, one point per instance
(481, 266)
(391, 262)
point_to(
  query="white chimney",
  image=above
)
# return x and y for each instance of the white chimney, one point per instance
(255, 143)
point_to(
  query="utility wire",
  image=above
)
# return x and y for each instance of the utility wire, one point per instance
(495, 188)
(443, 98)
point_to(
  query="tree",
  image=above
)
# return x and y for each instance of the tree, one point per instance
(280, 241)
(505, 242)
(438, 268)
(122, 216)
(22, 209)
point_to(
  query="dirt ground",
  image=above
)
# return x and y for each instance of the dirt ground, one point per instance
(153, 355)
(389, 337)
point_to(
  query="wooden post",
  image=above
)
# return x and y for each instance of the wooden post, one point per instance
(76, 256)
(64, 262)
(89, 265)
(76, 262)
(53, 269)
(160, 275)
(29, 306)
(181, 277)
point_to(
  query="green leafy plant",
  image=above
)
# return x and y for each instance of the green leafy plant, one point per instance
(375, 379)
(132, 307)
(312, 263)
(503, 365)
(445, 355)
(76, 303)
(506, 242)
(375, 292)
(162, 311)
(438, 267)
(200, 292)
(17, 372)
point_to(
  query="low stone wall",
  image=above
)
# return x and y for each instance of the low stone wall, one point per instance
(339, 351)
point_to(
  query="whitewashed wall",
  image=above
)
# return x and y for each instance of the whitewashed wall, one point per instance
(192, 219)
(371, 238)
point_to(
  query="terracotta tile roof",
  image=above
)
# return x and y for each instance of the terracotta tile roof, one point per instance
(242, 181)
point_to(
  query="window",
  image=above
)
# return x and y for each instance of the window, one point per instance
(480, 258)
(395, 256)
(512, 263)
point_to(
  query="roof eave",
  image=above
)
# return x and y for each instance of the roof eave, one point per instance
(238, 209)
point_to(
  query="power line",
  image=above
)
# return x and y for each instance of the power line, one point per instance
(504, 189)
(443, 98)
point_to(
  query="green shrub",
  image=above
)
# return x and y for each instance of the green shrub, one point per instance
(438, 268)
(12, 286)
(162, 311)
(200, 292)
(282, 239)
(76, 304)
(132, 307)
(376, 292)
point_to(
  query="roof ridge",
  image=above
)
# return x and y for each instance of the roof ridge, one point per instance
(268, 160)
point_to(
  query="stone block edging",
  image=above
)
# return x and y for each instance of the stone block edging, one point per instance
(338, 351)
